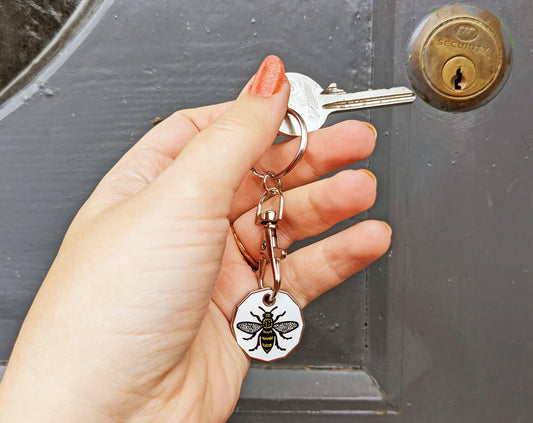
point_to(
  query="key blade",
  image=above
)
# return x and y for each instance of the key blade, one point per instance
(314, 103)
(369, 99)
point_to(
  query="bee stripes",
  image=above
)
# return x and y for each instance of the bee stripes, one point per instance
(268, 329)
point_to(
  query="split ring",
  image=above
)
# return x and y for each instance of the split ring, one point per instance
(299, 154)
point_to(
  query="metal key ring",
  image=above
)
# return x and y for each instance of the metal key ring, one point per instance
(299, 154)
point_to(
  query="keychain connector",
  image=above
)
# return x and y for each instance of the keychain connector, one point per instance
(271, 254)
(273, 214)
(261, 304)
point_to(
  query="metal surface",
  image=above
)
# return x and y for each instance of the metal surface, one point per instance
(459, 57)
(315, 104)
(302, 131)
(270, 251)
(439, 330)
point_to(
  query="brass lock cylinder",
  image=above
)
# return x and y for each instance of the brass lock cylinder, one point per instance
(459, 57)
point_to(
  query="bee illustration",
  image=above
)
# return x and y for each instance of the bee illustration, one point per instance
(269, 329)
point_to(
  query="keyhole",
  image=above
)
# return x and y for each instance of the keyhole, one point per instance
(458, 80)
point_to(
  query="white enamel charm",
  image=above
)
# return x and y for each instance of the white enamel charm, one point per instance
(267, 332)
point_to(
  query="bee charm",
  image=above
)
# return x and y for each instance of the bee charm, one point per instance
(265, 339)
(267, 331)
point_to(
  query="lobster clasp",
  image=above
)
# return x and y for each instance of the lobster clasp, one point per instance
(272, 214)
(270, 251)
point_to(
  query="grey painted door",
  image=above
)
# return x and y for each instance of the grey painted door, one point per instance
(439, 330)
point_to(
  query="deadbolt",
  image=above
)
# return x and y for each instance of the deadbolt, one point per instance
(459, 74)
(459, 57)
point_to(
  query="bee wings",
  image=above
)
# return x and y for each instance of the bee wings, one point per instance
(285, 327)
(249, 327)
(253, 327)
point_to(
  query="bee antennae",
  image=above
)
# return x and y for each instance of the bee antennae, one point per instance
(262, 309)
(273, 309)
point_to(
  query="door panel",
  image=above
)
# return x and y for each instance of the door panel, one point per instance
(438, 329)
(468, 246)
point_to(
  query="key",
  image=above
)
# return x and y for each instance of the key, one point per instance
(315, 104)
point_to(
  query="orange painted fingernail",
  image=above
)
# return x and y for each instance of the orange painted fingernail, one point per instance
(371, 127)
(372, 176)
(388, 227)
(269, 78)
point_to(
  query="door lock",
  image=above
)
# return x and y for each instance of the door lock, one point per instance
(459, 57)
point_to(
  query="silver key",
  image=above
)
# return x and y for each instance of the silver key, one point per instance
(314, 104)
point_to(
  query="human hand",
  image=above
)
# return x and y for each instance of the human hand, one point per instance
(132, 320)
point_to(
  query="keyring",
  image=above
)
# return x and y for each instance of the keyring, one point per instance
(299, 154)
(263, 326)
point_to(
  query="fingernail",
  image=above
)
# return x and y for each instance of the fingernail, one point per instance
(372, 176)
(388, 227)
(371, 127)
(269, 78)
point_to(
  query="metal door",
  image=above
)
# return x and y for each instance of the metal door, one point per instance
(439, 330)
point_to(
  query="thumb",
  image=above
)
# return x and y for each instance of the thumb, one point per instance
(214, 163)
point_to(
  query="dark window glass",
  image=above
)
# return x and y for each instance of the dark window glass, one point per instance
(26, 27)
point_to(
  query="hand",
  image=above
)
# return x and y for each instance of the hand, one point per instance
(132, 320)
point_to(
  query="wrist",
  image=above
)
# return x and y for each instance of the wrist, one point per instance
(25, 396)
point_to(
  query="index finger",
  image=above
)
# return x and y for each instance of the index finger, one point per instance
(328, 149)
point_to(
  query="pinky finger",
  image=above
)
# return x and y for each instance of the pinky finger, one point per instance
(315, 269)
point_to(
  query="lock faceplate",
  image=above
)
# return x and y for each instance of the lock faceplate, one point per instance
(459, 57)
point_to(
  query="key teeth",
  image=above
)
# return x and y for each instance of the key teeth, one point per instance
(333, 89)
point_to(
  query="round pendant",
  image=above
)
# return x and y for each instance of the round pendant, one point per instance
(267, 332)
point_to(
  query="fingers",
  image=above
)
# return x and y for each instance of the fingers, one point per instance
(310, 271)
(222, 154)
(328, 149)
(153, 153)
(332, 147)
(315, 269)
(184, 210)
(242, 130)
(310, 210)
(172, 134)
(313, 208)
